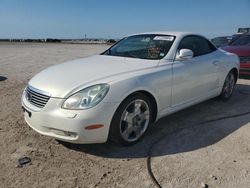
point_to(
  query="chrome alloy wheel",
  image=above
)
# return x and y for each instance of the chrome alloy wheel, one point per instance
(134, 120)
(229, 85)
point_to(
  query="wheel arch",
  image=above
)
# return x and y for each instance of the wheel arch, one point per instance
(235, 72)
(151, 98)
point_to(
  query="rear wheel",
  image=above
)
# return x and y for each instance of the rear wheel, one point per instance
(228, 86)
(131, 120)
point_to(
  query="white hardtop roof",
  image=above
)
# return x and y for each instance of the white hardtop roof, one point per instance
(174, 33)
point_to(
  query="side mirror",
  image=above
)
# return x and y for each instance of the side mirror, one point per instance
(184, 54)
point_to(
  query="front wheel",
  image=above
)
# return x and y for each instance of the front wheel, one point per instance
(131, 120)
(228, 86)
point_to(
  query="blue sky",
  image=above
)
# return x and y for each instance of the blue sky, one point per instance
(116, 18)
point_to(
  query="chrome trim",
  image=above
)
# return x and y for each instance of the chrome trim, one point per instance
(36, 97)
(39, 91)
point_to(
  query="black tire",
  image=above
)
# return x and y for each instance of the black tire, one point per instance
(119, 126)
(228, 86)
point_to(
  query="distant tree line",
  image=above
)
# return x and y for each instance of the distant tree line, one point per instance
(54, 40)
(31, 40)
(111, 41)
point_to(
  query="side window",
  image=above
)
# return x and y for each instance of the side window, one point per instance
(197, 44)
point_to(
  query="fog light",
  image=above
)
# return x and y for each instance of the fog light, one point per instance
(63, 133)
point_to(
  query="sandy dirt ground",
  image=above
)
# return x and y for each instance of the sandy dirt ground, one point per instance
(187, 148)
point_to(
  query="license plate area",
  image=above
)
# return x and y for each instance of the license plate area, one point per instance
(26, 111)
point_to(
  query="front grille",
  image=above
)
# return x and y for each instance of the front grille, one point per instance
(244, 59)
(36, 97)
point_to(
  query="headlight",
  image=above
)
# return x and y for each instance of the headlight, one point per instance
(86, 98)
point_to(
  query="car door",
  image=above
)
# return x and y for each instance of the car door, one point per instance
(197, 77)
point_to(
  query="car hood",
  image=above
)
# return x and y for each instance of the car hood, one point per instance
(60, 80)
(238, 50)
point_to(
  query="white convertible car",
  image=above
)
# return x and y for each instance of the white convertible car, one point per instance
(118, 94)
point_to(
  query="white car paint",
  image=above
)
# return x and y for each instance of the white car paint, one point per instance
(173, 83)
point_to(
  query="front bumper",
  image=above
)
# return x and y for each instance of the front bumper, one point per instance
(69, 125)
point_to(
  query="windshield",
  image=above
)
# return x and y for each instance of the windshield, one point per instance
(149, 46)
(242, 40)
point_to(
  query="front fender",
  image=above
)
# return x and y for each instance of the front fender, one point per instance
(158, 83)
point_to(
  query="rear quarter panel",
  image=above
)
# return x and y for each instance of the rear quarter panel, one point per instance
(228, 62)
